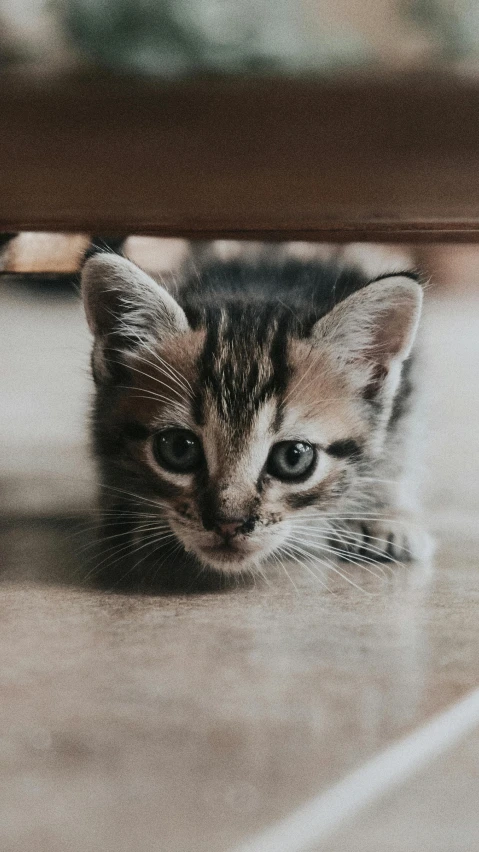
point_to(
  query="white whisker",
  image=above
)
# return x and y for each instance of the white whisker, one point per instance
(355, 559)
(282, 565)
(129, 548)
(148, 376)
(288, 551)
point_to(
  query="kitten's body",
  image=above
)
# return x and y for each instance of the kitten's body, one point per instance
(252, 355)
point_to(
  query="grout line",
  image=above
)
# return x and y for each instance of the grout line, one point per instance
(314, 821)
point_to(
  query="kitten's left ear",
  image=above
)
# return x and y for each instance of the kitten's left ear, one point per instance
(125, 309)
(121, 299)
(374, 329)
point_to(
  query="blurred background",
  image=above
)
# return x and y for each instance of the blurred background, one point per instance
(174, 38)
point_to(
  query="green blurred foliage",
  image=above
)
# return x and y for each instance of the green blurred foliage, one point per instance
(177, 37)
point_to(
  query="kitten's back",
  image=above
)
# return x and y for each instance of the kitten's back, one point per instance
(307, 284)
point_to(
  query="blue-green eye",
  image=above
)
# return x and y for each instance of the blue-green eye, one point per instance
(291, 460)
(178, 450)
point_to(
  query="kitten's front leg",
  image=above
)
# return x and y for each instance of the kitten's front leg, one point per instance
(396, 536)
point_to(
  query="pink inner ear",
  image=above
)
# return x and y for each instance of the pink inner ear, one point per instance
(102, 309)
(390, 334)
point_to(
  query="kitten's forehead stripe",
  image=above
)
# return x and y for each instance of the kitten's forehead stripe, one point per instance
(251, 312)
(244, 362)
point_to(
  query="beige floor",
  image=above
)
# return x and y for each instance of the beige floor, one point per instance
(436, 812)
(195, 723)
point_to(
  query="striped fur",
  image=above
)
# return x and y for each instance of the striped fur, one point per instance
(246, 354)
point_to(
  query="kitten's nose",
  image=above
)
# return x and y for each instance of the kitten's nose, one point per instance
(230, 527)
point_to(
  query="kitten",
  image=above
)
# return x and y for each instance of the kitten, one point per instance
(260, 407)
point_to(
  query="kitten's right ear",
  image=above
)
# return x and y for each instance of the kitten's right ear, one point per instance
(125, 308)
(372, 331)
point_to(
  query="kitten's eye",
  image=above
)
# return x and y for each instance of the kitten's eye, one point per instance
(178, 450)
(291, 460)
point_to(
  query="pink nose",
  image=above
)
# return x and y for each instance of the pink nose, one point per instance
(230, 528)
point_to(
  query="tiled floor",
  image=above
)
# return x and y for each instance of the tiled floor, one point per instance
(196, 723)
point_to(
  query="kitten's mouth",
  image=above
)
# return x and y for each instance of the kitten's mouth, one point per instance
(231, 550)
(230, 553)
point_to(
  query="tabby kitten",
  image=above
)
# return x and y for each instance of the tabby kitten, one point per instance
(259, 408)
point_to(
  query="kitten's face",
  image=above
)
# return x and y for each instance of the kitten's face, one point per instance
(238, 424)
(236, 485)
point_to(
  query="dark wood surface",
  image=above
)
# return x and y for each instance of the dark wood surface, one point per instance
(272, 159)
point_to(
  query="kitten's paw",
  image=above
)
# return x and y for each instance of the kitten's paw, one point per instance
(392, 540)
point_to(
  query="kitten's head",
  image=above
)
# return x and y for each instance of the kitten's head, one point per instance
(235, 422)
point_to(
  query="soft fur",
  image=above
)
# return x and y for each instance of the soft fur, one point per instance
(245, 353)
